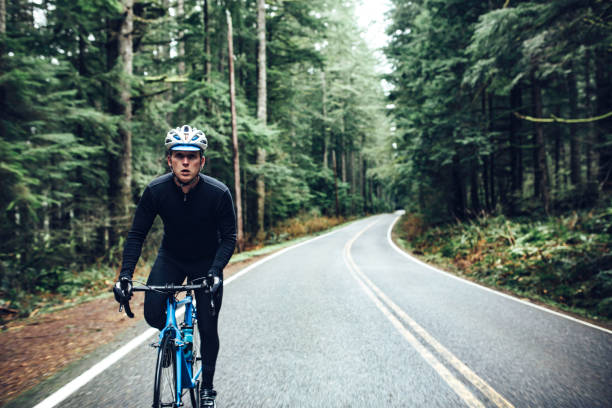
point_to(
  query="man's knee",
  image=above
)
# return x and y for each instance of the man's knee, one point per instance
(154, 311)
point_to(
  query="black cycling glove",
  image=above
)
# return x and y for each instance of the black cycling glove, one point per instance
(123, 290)
(214, 280)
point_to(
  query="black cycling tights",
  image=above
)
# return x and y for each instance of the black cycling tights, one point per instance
(170, 270)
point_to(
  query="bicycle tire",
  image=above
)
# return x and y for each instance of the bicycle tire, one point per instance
(196, 362)
(164, 392)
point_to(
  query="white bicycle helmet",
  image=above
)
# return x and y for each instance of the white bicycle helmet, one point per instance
(186, 138)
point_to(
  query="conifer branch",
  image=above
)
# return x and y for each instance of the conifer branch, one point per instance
(562, 120)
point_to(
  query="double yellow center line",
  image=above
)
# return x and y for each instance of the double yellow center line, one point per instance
(405, 325)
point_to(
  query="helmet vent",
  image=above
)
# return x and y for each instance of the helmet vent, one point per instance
(187, 137)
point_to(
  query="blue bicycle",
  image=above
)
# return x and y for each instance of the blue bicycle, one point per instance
(179, 363)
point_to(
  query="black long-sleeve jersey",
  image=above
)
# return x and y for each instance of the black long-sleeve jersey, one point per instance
(198, 225)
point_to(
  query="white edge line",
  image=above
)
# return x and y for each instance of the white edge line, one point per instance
(88, 375)
(394, 246)
(70, 388)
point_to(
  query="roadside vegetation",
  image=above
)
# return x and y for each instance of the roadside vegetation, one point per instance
(563, 261)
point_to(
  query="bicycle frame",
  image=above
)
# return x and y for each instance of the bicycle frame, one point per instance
(184, 370)
(185, 378)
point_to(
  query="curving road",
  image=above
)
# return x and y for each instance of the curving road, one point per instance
(346, 320)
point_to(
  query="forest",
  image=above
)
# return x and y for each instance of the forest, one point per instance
(502, 105)
(90, 88)
(494, 108)
(503, 118)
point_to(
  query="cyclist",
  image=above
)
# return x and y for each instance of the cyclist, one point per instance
(199, 238)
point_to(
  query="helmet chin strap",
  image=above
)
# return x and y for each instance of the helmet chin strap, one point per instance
(180, 183)
(190, 182)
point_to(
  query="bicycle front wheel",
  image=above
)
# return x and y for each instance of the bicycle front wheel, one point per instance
(164, 392)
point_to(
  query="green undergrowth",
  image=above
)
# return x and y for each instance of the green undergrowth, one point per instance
(564, 261)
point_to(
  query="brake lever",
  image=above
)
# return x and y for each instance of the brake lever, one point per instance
(128, 310)
(213, 310)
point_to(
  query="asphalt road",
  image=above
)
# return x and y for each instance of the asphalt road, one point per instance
(345, 320)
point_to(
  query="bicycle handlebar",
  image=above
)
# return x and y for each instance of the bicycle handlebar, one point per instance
(171, 288)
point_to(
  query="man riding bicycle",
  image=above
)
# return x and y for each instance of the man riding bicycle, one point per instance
(199, 238)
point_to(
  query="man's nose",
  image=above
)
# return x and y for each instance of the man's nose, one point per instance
(185, 161)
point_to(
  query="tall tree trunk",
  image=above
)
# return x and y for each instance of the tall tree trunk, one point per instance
(343, 164)
(555, 182)
(180, 18)
(493, 141)
(2, 17)
(492, 181)
(340, 146)
(362, 175)
(603, 90)
(78, 194)
(221, 58)
(236, 158)
(520, 161)
(458, 189)
(364, 183)
(516, 159)
(2, 51)
(324, 113)
(573, 128)
(207, 55)
(486, 181)
(559, 155)
(540, 165)
(164, 47)
(121, 191)
(353, 179)
(485, 157)
(353, 172)
(262, 113)
(245, 198)
(335, 166)
(588, 103)
(105, 235)
(474, 196)
(126, 53)
(2, 31)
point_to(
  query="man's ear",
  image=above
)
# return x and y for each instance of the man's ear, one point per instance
(202, 161)
(169, 161)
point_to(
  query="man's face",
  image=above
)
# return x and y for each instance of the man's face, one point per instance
(185, 164)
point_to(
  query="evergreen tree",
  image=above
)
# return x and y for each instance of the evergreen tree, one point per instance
(477, 88)
(88, 90)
